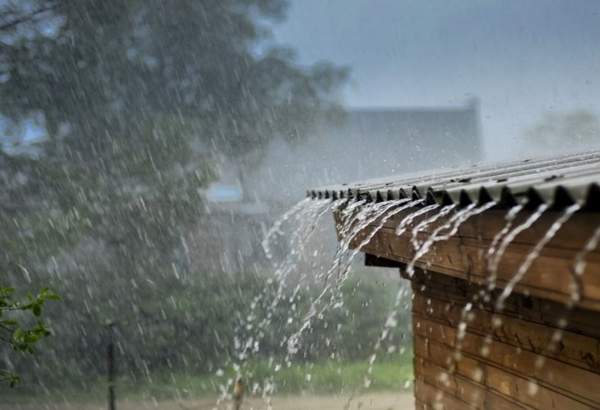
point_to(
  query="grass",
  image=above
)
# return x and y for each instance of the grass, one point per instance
(316, 378)
(326, 377)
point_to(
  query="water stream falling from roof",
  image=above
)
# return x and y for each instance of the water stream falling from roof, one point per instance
(492, 250)
(451, 226)
(389, 212)
(505, 236)
(423, 225)
(485, 294)
(580, 264)
(466, 316)
(403, 225)
(303, 217)
(355, 225)
(306, 218)
(533, 254)
(276, 228)
(359, 222)
(507, 240)
(575, 290)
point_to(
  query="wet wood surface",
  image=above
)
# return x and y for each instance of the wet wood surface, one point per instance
(510, 365)
(538, 351)
(465, 255)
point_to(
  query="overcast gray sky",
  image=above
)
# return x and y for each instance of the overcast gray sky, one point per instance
(520, 57)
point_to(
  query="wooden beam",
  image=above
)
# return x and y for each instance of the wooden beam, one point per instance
(465, 254)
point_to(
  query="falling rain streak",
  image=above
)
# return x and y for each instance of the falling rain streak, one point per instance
(362, 219)
(533, 254)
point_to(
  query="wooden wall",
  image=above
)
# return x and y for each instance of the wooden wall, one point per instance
(465, 254)
(505, 360)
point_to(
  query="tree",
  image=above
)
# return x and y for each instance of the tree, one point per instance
(575, 129)
(14, 329)
(135, 99)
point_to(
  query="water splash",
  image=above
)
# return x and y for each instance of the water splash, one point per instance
(307, 219)
(575, 291)
(403, 225)
(382, 212)
(392, 318)
(421, 226)
(507, 240)
(276, 227)
(390, 323)
(580, 264)
(304, 217)
(535, 252)
(386, 216)
(505, 237)
(354, 225)
(452, 226)
(491, 252)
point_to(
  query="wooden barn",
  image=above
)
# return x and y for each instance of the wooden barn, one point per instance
(506, 281)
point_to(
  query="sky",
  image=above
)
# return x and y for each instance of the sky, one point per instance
(521, 58)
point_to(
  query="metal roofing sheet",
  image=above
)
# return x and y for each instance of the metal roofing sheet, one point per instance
(558, 181)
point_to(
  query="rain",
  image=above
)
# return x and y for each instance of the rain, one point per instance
(298, 204)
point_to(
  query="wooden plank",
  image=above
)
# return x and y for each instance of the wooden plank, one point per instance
(576, 349)
(508, 386)
(451, 384)
(548, 277)
(463, 255)
(433, 398)
(485, 226)
(570, 381)
(456, 291)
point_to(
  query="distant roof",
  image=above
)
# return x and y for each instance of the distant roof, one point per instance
(559, 181)
(219, 192)
(415, 133)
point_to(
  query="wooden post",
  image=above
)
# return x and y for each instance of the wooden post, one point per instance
(110, 365)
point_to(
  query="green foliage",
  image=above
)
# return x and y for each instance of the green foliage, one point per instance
(135, 101)
(393, 373)
(16, 329)
(574, 128)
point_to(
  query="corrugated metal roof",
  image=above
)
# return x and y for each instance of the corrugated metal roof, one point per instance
(557, 181)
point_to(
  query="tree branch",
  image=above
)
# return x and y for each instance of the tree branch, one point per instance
(25, 18)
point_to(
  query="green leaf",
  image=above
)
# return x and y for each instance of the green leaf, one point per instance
(37, 309)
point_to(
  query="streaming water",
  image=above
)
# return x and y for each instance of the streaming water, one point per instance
(465, 315)
(359, 218)
(303, 218)
(403, 225)
(391, 321)
(276, 228)
(380, 212)
(451, 226)
(491, 252)
(580, 264)
(507, 240)
(421, 226)
(402, 204)
(575, 291)
(348, 218)
(535, 252)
